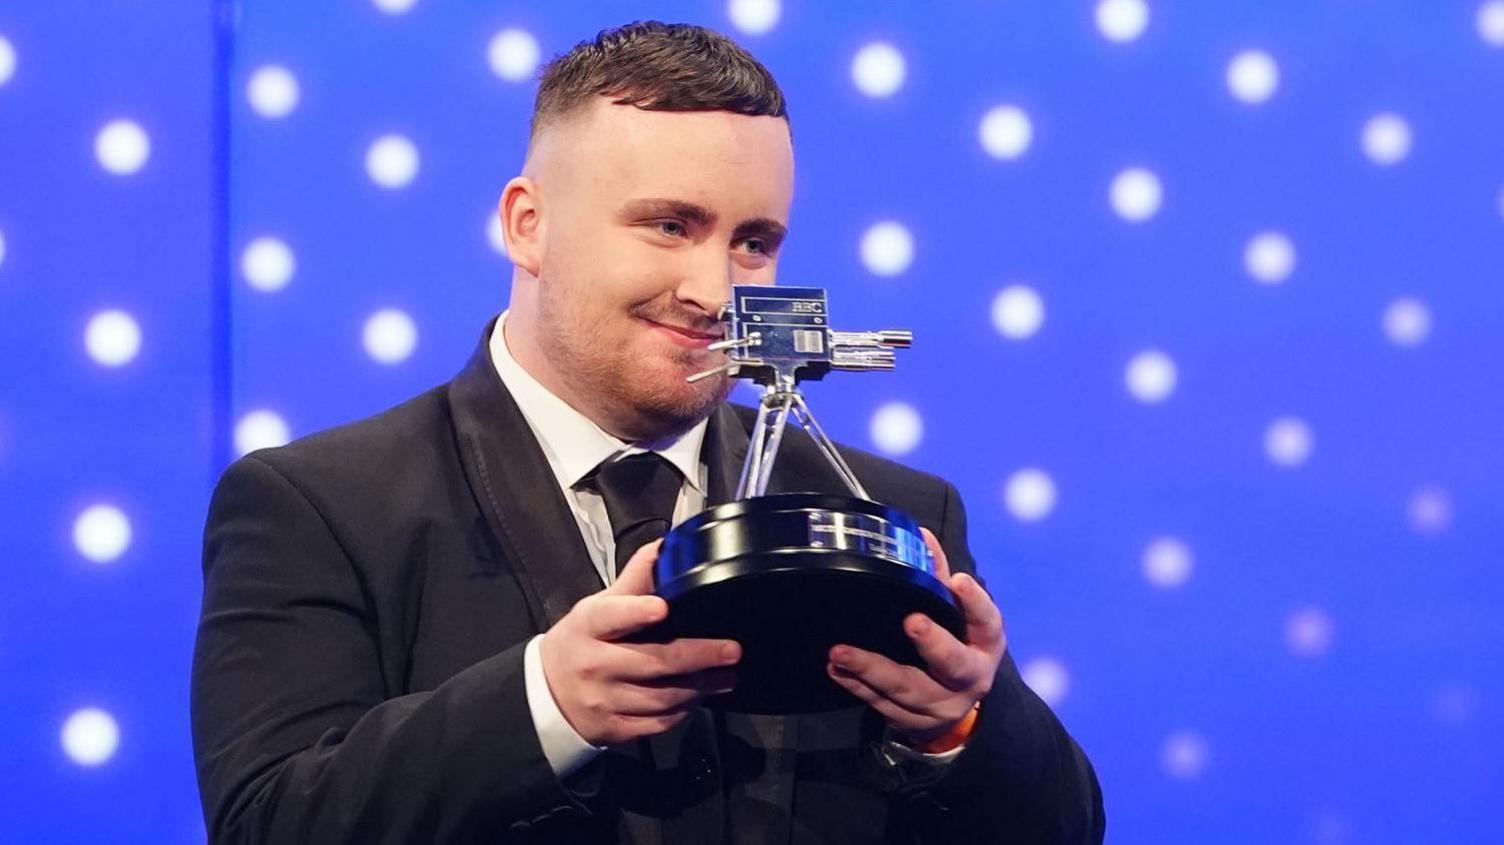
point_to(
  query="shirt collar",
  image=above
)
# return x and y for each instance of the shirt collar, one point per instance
(573, 444)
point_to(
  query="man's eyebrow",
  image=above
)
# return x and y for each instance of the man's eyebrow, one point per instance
(664, 207)
(758, 227)
(766, 228)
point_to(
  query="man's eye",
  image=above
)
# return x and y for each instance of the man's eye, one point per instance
(756, 246)
(672, 228)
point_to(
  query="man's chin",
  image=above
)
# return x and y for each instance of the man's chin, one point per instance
(671, 409)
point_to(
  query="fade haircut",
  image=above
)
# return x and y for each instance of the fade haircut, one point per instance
(657, 67)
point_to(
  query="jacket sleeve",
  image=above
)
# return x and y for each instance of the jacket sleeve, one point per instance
(1019, 778)
(294, 735)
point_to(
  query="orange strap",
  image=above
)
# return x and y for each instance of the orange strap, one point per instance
(952, 739)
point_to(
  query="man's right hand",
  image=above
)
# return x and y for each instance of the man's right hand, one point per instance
(612, 691)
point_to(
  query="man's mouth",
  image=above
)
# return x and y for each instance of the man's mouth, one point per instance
(683, 335)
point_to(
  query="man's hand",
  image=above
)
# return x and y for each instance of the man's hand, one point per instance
(612, 692)
(921, 704)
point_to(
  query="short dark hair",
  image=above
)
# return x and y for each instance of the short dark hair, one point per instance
(658, 67)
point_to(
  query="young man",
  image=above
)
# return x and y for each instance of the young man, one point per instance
(412, 625)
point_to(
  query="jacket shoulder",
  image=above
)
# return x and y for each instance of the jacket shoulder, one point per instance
(401, 442)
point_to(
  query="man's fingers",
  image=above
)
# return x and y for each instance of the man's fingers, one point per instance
(713, 680)
(897, 716)
(636, 578)
(643, 662)
(907, 686)
(614, 617)
(661, 695)
(678, 688)
(984, 622)
(639, 726)
(948, 660)
(942, 566)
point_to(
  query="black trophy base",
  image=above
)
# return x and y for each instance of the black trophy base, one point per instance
(789, 576)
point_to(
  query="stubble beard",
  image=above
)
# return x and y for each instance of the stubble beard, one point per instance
(642, 401)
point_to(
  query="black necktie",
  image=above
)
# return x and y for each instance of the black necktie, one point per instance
(639, 492)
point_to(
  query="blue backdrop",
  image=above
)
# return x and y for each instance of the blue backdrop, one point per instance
(1207, 305)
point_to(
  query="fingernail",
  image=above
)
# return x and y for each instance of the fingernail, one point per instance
(840, 654)
(920, 626)
(730, 652)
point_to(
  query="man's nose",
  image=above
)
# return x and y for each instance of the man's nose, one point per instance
(708, 285)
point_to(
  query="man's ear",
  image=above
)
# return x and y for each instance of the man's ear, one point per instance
(522, 223)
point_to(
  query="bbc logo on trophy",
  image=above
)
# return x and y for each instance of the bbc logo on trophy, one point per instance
(791, 574)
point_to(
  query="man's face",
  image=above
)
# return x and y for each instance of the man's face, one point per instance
(647, 219)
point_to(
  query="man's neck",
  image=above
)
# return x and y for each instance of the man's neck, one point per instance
(521, 343)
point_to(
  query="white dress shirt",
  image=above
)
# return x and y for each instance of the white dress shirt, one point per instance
(574, 445)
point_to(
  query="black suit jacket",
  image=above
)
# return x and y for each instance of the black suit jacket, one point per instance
(358, 671)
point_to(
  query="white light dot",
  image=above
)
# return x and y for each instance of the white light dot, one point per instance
(101, 533)
(1150, 376)
(395, 7)
(272, 91)
(392, 161)
(1029, 495)
(1252, 76)
(1491, 23)
(267, 264)
(494, 233)
(1288, 442)
(1167, 562)
(1136, 194)
(112, 338)
(1184, 755)
(90, 736)
(1048, 678)
(1017, 312)
(887, 248)
(390, 336)
(122, 147)
(896, 428)
(260, 430)
(1308, 632)
(2, 249)
(1006, 132)
(1429, 510)
(1331, 828)
(1269, 258)
(1455, 704)
(878, 70)
(513, 54)
(1407, 322)
(1122, 20)
(753, 17)
(7, 60)
(1386, 139)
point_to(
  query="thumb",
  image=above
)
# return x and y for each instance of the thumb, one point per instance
(636, 578)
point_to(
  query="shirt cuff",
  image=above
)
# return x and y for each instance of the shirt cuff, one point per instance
(900, 751)
(565, 749)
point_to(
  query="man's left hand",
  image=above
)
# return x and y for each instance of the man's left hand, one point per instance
(922, 704)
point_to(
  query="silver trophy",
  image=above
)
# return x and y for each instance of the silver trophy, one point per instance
(791, 574)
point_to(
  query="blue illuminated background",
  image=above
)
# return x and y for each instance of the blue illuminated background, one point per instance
(1208, 308)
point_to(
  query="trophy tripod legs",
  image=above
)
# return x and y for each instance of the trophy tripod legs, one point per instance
(767, 435)
(773, 414)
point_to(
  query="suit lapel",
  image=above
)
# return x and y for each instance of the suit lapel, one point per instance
(726, 444)
(518, 492)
